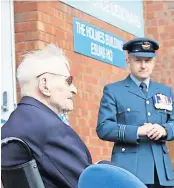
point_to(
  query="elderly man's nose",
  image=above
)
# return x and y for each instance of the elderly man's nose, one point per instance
(73, 89)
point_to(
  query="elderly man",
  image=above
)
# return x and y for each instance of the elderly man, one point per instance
(47, 92)
(137, 114)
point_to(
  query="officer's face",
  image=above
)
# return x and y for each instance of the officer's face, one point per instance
(140, 67)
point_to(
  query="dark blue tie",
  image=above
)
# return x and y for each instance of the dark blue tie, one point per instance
(143, 87)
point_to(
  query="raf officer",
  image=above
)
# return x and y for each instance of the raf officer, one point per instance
(137, 114)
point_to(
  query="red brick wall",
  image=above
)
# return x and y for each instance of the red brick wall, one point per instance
(159, 25)
(39, 23)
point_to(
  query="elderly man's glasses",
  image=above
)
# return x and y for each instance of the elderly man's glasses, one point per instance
(69, 79)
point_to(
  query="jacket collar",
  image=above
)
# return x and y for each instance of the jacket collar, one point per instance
(34, 102)
(133, 88)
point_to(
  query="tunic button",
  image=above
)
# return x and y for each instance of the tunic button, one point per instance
(123, 149)
(128, 109)
(149, 114)
(147, 102)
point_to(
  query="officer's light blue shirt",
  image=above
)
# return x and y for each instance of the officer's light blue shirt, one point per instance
(137, 82)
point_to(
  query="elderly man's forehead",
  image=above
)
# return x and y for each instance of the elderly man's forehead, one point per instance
(53, 65)
(58, 63)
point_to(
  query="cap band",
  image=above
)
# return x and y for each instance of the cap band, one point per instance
(141, 47)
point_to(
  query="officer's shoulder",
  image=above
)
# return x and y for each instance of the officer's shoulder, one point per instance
(162, 86)
(114, 85)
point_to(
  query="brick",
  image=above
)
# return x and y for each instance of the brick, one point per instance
(92, 106)
(67, 27)
(24, 46)
(60, 15)
(31, 16)
(57, 22)
(73, 120)
(171, 42)
(88, 70)
(32, 35)
(93, 141)
(44, 7)
(155, 7)
(29, 46)
(93, 132)
(172, 13)
(25, 6)
(65, 8)
(55, 4)
(89, 79)
(164, 36)
(43, 36)
(95, 150)
(82, 121)
(92, 123)
(40, 26)
(40, 45)
(50, 29)
(81, 104)
(162, 21)
(44, 18)
(84, 131)
(60, 34)
(69, 19)
(154, 22)
(150, 15)
(19, 17)
(106, 151)
(25, 26)
(19, 37)
(68, 36)
(52, 39)
(76, 13)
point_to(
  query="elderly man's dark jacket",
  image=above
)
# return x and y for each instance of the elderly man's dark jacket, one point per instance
(60, 153)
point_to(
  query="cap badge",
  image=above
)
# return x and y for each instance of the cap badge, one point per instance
(146, 45)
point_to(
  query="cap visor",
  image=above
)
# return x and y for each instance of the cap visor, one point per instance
(143, 54)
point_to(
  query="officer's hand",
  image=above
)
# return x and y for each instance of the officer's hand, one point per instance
(157, 132)
(144, 129)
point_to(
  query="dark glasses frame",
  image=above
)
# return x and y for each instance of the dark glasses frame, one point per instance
(69, 79)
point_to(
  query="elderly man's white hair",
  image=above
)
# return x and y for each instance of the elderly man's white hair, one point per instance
(50, 59)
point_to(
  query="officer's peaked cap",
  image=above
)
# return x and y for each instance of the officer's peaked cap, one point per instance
(141, 47)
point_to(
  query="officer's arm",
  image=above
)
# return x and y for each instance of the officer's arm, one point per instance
(107, 127)
(169, 125)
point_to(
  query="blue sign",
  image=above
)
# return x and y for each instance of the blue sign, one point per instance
(126, 15)
(98, 44)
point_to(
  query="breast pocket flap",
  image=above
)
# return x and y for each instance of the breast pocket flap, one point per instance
(127, 109)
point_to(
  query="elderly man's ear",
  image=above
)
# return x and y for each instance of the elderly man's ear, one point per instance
(44, 87)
